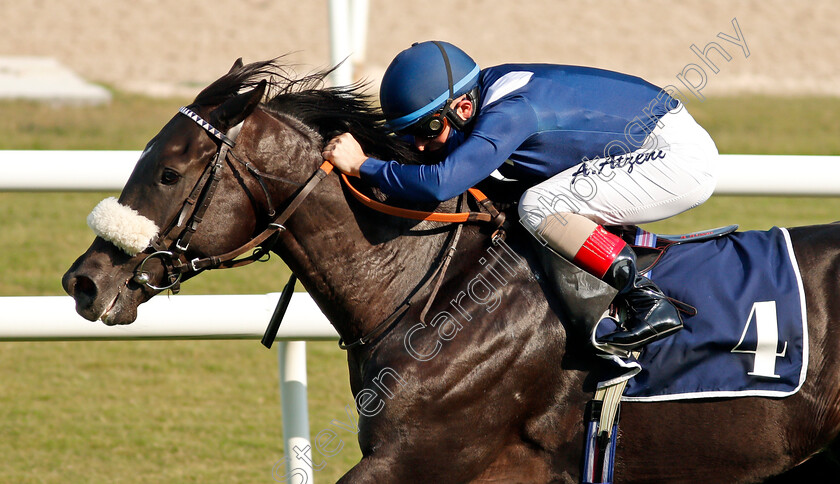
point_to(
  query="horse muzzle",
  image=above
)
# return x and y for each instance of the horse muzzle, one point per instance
(112, 304)
(102, 284)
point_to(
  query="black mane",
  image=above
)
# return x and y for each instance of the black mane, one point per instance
(328, 110)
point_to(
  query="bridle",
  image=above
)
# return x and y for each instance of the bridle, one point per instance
(172, 255)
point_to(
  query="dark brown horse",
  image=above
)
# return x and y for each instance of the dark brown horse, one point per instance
(489, 386)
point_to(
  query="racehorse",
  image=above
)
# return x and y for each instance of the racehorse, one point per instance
(462, 373)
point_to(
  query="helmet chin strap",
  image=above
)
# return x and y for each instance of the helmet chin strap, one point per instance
(458, 122)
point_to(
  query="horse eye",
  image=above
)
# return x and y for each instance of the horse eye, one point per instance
(169, 177)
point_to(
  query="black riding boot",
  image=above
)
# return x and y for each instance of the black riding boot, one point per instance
(650, 315)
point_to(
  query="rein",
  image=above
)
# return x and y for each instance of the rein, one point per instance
(493, 215)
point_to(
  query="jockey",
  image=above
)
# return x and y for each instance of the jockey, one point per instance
(598, 147)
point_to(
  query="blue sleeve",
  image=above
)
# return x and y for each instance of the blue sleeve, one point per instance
(499, 130)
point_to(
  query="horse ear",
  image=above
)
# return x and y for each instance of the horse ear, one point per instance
(239, 107)
(236, 66)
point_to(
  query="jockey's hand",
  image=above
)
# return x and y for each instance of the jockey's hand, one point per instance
(345, 153)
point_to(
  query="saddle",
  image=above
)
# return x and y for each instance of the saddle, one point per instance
(585, 298)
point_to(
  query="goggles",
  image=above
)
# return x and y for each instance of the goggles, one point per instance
(428, 127)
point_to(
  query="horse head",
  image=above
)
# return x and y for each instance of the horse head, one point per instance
(164, 217)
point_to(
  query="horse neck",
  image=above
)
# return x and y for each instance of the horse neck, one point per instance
(360, 265)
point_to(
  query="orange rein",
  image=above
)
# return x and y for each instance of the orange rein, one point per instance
(459, 217)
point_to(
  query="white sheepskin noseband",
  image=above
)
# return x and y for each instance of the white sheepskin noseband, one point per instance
(122, 226)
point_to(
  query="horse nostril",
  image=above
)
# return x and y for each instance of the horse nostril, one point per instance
(83, 290)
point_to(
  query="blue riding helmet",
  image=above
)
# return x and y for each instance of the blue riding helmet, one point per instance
(423, 80)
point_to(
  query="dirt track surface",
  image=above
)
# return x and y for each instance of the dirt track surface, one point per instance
(165, 47)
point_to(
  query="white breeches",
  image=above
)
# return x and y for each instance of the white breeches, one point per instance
(669, 174)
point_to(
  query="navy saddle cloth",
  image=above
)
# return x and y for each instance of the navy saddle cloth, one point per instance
(749, 336)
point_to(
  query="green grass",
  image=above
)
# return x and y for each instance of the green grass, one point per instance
(209, 411)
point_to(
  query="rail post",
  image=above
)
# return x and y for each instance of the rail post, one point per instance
(292, 358)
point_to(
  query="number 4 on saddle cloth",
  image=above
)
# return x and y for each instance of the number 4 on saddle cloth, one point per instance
(748, 336)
